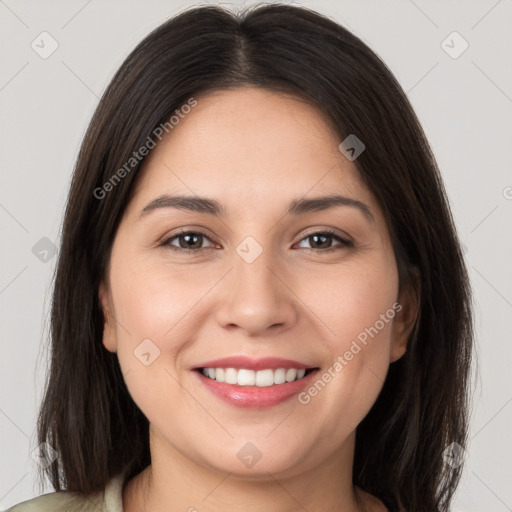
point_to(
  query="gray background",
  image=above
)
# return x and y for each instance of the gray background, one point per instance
(464, 105)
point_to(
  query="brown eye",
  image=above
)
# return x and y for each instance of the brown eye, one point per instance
(189, 241)
(320, 241)
(192, 242)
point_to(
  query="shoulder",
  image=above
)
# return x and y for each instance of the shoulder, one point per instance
(109, 500)
(371, 502)
(60, 502)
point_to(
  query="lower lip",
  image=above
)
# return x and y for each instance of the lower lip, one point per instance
(254, 396)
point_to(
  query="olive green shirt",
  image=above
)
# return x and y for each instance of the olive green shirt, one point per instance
(108, 500)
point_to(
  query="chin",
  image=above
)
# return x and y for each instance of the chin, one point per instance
(252, 463)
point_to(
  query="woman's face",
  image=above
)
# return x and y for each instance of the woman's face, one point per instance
(259, 281)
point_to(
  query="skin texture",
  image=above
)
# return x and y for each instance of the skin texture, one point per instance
(254, 151)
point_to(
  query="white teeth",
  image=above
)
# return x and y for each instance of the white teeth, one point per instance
(280, 376)
(246, 378)
(261, 378)
(264, 378)
(291, 374)
(231, 376)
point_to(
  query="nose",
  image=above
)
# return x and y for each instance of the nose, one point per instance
(255, 297)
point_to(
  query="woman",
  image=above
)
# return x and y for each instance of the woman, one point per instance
(206, 351)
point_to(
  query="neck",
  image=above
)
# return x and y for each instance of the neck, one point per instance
(174, 482)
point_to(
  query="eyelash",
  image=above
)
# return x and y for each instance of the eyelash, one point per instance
(344, 243)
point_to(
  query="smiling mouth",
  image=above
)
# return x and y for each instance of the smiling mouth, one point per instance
(261, 378)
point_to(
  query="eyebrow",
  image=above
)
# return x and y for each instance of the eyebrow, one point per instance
(212, 207)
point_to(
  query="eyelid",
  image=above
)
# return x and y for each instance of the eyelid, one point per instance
(332, 231)
(185, 231)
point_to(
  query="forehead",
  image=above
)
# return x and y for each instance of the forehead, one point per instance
(251, 146)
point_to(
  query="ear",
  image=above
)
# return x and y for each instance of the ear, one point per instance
(109, 334)
(408, 310)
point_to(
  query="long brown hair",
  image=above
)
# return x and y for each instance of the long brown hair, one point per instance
(87, 413)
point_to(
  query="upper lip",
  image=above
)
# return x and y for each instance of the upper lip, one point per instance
(252, 364)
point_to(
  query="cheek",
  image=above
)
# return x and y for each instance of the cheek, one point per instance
(153, 300)
(152, 306)
(157, 311)
(359, 308)
(354, 301)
